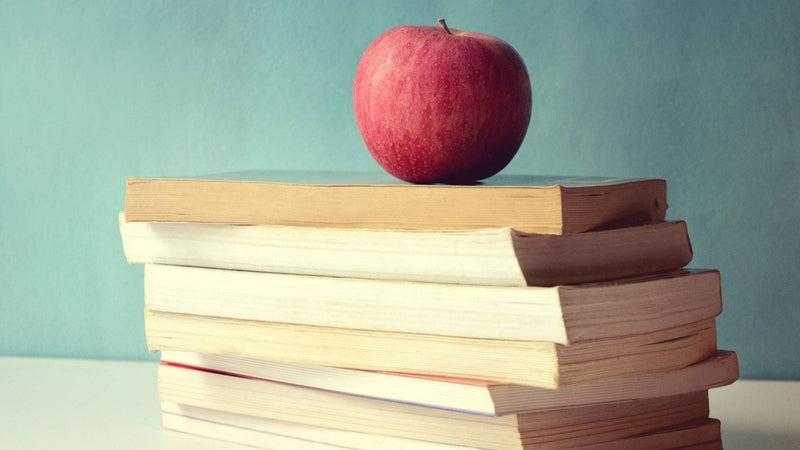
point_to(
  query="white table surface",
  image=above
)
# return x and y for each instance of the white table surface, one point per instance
(63, 403)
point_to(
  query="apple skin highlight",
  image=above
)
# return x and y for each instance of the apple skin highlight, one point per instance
(438, 107)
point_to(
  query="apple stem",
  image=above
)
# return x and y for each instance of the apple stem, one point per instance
(444, 26)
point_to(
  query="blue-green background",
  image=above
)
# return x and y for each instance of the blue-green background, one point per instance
(705, 94)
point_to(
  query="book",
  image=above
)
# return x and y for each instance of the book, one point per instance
(529, 204)
(490, 256)
(560, 314)
(552, 428)
(534, 363)
(276, 434)
(272, 434)
(698, 434)
(467, 395)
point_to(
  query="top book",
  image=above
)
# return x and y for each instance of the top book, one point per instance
(530, 204)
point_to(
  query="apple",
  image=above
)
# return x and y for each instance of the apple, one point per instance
(440, 105)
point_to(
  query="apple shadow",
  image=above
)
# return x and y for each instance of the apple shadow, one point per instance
(456, 182)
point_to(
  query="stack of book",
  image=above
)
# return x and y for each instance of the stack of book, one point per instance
(355, 312)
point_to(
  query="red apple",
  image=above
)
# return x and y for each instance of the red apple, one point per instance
(435, 104)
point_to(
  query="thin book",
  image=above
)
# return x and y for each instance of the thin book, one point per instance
(473, 396)
(534, 363)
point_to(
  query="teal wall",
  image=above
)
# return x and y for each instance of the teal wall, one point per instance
(705, 94)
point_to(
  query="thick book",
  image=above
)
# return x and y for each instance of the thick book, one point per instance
(529, 204)
(467, 395)
(492, 256)
(534, 363)
(552, 428)
(560, 314)
(266, 433)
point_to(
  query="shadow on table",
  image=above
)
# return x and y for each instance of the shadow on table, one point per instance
(739, 439)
